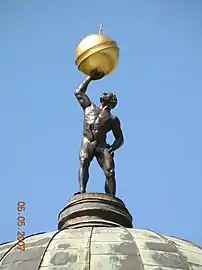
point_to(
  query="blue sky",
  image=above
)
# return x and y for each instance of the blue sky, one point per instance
(158, 82)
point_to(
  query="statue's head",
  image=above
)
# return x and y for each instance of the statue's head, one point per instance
(108, 99)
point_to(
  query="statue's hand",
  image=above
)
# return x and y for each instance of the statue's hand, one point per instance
(96, 75)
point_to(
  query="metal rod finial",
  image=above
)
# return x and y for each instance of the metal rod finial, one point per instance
(101, 27)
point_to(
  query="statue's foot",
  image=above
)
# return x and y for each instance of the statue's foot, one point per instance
(80, 192)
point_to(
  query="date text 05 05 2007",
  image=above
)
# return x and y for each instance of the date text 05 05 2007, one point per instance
(20, 224)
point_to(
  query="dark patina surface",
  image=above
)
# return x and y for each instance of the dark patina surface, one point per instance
(94, 209)
(98, 121)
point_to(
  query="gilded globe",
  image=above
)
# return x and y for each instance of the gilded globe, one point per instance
(97, 52)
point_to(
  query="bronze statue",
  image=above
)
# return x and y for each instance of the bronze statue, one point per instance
(98, 121)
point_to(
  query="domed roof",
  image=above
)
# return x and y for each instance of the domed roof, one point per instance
(95, 232)
(101, 248)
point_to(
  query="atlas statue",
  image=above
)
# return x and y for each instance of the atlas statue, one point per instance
(98, 121)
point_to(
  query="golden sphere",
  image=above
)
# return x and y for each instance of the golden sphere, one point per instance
(97, 52)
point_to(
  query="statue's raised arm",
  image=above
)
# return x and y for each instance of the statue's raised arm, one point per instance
(80, 92)
(81, 95)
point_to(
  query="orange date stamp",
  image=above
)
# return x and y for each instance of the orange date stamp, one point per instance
(21, 224)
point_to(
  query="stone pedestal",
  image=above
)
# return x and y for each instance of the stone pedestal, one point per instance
(94, 209)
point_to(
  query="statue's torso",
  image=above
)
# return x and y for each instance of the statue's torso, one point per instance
(96, 123)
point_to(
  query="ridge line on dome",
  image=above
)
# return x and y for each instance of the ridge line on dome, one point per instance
(138, 250)
(44, 252)
(12, 241)
(9, 250)
(14, 245)
(89, 247)
(190, 242)
(173, 244)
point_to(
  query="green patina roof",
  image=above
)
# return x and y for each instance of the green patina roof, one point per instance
(93, 248)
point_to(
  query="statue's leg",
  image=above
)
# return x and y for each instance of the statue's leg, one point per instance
(106, 162)
(86, 156)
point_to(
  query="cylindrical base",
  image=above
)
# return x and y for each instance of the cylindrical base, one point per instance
(94, 209)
